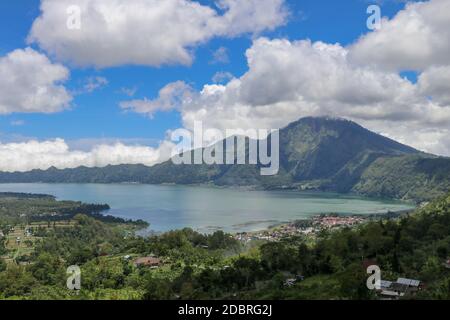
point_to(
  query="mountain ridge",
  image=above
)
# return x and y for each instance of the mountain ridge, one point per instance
(318, 153)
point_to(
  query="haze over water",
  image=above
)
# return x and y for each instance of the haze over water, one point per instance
(208, 209)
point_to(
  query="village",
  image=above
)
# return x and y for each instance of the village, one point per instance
(307, 227)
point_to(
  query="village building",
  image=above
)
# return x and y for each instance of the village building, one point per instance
(447, 264)
(28, 233)
(151, 262)
(400, 288)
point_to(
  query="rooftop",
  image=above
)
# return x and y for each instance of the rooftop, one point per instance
(147, 261)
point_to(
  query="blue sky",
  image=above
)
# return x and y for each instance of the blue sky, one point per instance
(111, 90)
(97, 114)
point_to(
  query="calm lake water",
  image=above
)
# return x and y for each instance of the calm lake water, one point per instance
(208, 209)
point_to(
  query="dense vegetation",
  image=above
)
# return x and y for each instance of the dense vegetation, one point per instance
(213, 266)
(407, 177)
(315, 153)
(27, 208)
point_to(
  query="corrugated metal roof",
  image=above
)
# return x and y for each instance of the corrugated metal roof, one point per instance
(408, 282)
(390, 293)
(415, 283)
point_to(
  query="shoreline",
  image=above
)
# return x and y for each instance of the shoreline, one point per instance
(236, 226)
(314, 225)
(341, 218)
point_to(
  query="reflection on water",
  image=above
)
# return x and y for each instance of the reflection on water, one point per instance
(208, 209)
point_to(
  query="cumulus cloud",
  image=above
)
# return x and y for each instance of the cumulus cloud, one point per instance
(94, 83)
(435, 83)
(146, 32)
(288, 80)
(416, 38)
(222, 76)
(170, 97)
(25, 156)
(435, 140)
(30, 83)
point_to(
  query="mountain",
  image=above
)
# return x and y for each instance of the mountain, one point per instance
(315, 153)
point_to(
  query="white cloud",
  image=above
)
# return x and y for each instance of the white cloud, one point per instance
(32, 154)
(220, 56)
(416, 38)
(250, 16)
(146, 32)
(429, 139)
(30, 83)
(87, 144)
(128, 91)
(170, 97)
(222, 76)
(94, 83)
(435, 83)
(289, 80)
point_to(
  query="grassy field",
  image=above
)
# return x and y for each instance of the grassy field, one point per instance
(21, 243)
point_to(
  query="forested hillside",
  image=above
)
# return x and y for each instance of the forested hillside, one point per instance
(195, 266)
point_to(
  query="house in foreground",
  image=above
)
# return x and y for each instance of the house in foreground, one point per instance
(400, 288)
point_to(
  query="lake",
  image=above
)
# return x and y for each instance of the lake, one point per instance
(208, 209)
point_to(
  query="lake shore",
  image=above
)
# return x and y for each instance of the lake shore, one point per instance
(208, 209)
(314, 225)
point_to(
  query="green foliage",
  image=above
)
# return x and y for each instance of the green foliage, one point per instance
(197, 266)
(18, 207)
(2, 265)
(16, 281)
(48, 269)
(406, 177)
(352, 283)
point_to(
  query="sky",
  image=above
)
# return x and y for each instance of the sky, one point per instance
(106, 81)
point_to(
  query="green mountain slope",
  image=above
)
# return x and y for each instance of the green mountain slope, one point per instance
(407, 177)
(315, 153)
(319, 147)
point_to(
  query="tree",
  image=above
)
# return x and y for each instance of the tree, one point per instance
(2, 265)
(353, 283)
(217, 240)
(16, 281)
(157, 289)
(279, 256)
(431, 269)
(48, 269)
(442, 251)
